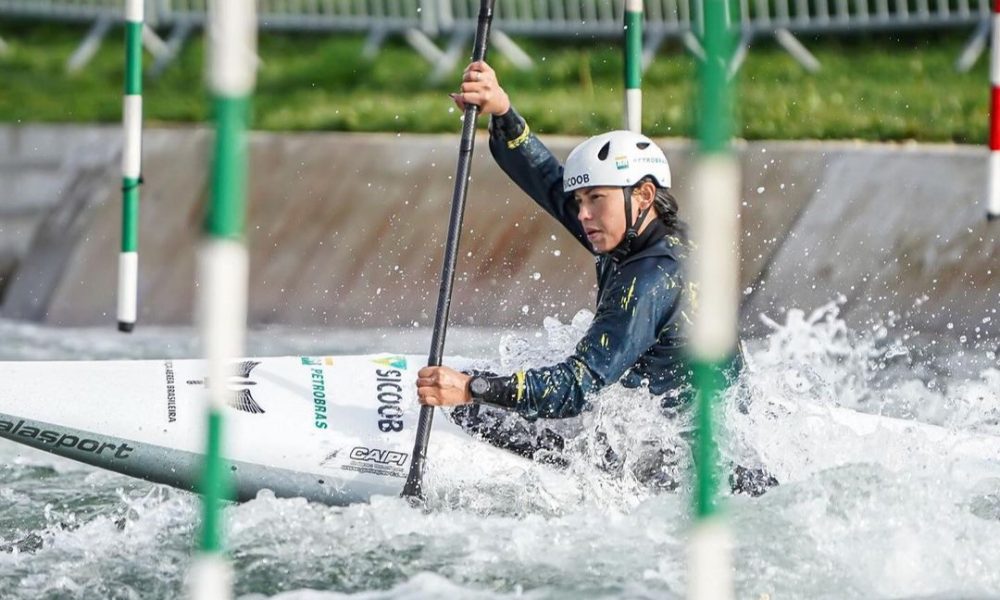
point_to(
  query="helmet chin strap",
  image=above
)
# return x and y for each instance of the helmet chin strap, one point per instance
(631, 230)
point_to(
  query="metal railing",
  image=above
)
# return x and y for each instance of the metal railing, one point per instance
(421, 20)
(783, 19)
(568, 18)
(417, 20)
(574, 19)
(65, 10)
(838, 16)
(337, 15)
(329, 15)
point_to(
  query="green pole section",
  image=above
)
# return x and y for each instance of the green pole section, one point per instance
(633, 49)
(714, 121)
(133, 58)
(226, 215)
(215, 487)
(130, 214)
(710, 383)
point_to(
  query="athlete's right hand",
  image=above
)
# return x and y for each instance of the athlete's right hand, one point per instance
(441, 386)
(481, 87)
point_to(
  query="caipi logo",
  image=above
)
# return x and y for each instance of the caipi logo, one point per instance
(372, 461)
(240, 384)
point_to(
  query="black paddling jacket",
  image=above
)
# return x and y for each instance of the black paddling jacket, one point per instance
(637, 333)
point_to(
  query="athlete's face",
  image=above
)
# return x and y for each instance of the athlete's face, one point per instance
(601, 211)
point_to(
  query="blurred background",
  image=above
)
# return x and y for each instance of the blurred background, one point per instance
(864, 157)
(864, 161)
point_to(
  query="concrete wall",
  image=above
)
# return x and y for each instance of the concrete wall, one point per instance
(899, 232)
(347, 230)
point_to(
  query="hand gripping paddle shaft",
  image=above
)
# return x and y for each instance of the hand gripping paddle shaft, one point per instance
(414, 481)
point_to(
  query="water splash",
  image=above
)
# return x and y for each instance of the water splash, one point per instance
(877, 514)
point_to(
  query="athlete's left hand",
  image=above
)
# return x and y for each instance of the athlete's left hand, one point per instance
(481, 87)
(441, 386)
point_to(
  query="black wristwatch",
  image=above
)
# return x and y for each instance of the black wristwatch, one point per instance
(479, 386)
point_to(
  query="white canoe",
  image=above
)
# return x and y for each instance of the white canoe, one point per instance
(334, 429)
(340, 429)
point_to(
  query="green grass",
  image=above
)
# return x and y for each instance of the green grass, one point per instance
(888, 87)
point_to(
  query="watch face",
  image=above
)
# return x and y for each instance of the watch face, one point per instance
(479, 386)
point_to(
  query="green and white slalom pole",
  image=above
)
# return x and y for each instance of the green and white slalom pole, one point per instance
(715, 232)
(128, 259)
(223, 266)
(633, 65)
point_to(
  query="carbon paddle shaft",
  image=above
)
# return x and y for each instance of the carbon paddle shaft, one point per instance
(414, 481)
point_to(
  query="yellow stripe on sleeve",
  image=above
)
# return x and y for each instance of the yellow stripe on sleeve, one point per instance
(514, 143)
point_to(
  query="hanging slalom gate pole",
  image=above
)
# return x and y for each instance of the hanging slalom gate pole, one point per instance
(128, 259)
(715, 231)
(222, 268)
(993, 200)
(414, 480)
(633, 65)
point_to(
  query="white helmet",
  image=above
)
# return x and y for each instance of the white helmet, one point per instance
(615, 159)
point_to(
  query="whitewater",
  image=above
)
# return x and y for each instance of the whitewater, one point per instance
(872, 515)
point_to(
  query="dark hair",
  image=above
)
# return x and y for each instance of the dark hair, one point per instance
(666, 210)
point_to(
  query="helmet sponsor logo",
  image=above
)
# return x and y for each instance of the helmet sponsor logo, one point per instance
(621, 162)
(657, 160)
(578, 180)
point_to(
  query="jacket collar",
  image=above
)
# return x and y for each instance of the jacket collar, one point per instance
(653, 241)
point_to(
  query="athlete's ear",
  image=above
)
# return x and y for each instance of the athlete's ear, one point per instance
(644, 194)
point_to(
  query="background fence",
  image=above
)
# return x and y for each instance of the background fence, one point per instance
(66, 10)
(419, 21)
